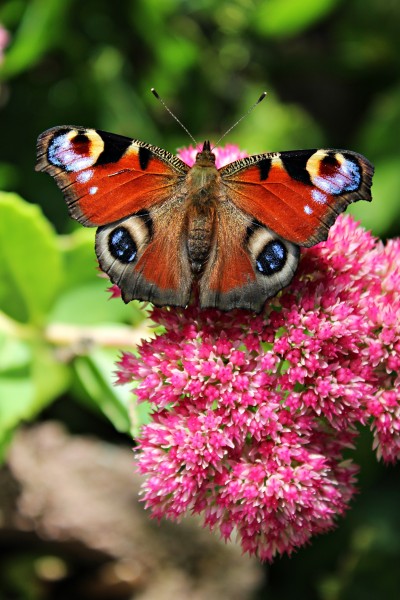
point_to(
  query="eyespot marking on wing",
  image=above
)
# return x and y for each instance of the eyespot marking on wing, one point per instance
(334, 173)
(122, 242)
(74, 150)
(272, 258)
(121, 245)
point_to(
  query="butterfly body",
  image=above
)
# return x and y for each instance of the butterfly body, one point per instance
(165, 228)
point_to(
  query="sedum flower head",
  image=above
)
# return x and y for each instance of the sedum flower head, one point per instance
(254, 416)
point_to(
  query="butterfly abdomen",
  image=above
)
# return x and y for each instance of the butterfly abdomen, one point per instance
(200, 228)
(202, 184)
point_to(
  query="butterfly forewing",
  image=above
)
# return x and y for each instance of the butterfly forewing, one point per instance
(299, 194)
(106, 177)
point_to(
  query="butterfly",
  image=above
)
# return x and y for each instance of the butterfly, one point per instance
(166, 229)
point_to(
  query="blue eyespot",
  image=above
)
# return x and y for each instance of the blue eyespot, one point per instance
(272, 258)
(122, 246)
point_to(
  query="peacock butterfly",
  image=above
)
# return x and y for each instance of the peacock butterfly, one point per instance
(164, 228)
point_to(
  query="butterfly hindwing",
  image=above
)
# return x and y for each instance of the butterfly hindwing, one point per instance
(248, 263)
(298, 194)
(144, 255)
(106, 177)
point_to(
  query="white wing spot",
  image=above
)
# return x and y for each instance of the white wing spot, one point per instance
(93, 190)
(85, 176)
(308, 210)
(318, 196)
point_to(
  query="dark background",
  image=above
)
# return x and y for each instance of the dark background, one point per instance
(332, 72)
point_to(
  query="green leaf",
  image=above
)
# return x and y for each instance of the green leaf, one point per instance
(14, 354)
(276, 18)
(85, 298)
(30, 261)
(5, 441)
(95, 375)
(90, 304)
(79, 257)
(30, 378)
(379, 142)
(16, 399)
(50, 376)
(381, 130)
(140, 415)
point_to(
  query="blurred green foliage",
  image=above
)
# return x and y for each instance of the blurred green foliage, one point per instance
(332, 71)
(49, 293)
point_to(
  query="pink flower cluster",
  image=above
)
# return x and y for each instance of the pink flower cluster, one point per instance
(223, 154)
(255, 416)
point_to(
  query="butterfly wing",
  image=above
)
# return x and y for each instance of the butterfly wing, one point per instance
(298, 194)
(272, 204)
(131, 191)
(248, 262)
(268, 205)
(144, 255)
(106, 177)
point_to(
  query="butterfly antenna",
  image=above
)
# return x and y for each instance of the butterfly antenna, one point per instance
(261, 98)
(155, 93)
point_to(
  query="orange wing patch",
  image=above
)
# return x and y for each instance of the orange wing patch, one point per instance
(299, 194)
(145, 256)
(229, 266)
(105, 177)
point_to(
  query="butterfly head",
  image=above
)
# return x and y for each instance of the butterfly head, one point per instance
(206, 156)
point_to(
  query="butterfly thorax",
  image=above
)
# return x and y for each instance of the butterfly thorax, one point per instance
(202, 191)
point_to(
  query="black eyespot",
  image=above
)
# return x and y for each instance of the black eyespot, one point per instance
(122, 246)
(272, 258)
